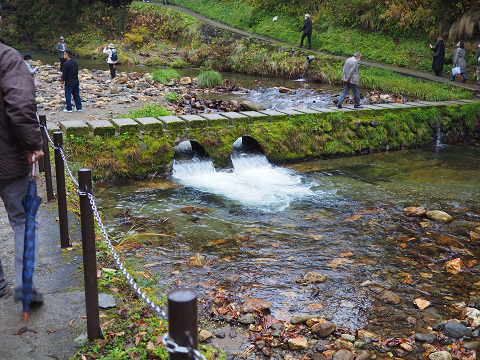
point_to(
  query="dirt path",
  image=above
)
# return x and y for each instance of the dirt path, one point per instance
(404, 71)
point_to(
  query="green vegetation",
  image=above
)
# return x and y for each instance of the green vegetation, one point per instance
(172, 97)
(209, 79)
(165, 75)
(150, 110)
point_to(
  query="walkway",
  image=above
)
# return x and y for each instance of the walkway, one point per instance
(404, 71)
(52, 327)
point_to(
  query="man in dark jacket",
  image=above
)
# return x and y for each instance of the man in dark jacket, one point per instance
(438, 56)
(70, 80)
(307, 31)
(20, 144)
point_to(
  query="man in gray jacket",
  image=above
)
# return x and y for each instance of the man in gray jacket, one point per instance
(61, 47)
(21, 143)
(351, 78)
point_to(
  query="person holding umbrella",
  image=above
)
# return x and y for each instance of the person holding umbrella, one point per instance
(21, 144)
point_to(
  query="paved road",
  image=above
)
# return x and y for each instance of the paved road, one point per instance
(404, 71)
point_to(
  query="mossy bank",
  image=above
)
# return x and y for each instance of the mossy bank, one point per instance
(283, 137)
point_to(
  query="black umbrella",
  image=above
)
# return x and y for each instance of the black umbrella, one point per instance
(31, 202)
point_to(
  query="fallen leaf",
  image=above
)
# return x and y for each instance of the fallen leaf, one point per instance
(51, 331)
(21, 331)
(422, 304)
(218, 242)
(454, 266)
(71, 322)
(70, 248)
(353, 217)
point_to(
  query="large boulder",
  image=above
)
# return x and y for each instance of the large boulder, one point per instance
(249, 105)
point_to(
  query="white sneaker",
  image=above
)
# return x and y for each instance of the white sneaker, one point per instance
(79, 110)
(65, 110)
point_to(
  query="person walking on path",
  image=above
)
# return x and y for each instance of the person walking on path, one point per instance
(351, 80)
(21, 143)
(307, 31)
(70, 81)
(478, 66)
(438, 56)
(61, 48)
(459, 60)
(112, 63)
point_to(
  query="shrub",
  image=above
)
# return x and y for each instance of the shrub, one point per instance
(179, 63)
(164, 75)
(208, 79)
(150, 110)
(172, 96)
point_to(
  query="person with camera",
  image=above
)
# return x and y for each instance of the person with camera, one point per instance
(112, 59)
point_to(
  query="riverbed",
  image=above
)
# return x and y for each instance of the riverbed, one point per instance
(261, 228)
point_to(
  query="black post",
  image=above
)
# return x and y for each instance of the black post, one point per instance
(182, 320)
(46, 160)
(61, 190)
(89, 254)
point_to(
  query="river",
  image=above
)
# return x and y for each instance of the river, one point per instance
(262, 227)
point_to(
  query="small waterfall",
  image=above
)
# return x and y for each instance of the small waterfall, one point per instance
(193, 167)
(305, 67)
(438, 130)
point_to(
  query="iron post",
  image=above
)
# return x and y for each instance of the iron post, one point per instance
(61, 190)
(46, 160)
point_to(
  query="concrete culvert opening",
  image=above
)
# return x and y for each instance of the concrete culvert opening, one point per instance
(190, 149)
(247, 145)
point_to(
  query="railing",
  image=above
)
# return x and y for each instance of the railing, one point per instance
(181, 341)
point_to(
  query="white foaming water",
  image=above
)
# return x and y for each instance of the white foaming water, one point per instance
(254, 183)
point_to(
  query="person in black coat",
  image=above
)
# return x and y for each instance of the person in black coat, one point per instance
(438, 56)
(307, 31)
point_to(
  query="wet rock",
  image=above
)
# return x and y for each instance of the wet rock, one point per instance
(193, 210)
(429, 337)
(197, 260)
(439, 216)
(282, 89)
(341, 344)
(254, 304)
(473, 315)
(454, 266)
(278, 326)
(421, 303)
(456, 330)
(301, 318)
(425, 224)
(323, 329)
(276, 333)
(440, 355)
(390, 297)
(415, 211)
(114, 90)
(260, 344)
(411, 320)
(343, 354)
(406, 347)
(316, 356)
(364, 334)
(220, 334)
(314, 277)
(247, 319)
(362, 355)
(348, 337)
(472, 345)
(185, 80)
(298, 343)
(266, 351)
(359, 344)
(249, 105)
(204, 335)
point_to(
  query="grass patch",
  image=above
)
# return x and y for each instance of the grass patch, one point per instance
(150, 110)
(208, 79)
(172, 97)
(164, 75)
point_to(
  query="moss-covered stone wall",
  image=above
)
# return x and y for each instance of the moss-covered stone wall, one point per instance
(310, 134)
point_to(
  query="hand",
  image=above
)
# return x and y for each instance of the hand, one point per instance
(34, 156)
(345, 80)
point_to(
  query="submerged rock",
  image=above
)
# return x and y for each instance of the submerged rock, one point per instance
(314, 277)
(254, 304)
(440, 355)
(415, 211)
(456, 330)
(429, 337)
(249, 105)
(439, 216)
(323, 329)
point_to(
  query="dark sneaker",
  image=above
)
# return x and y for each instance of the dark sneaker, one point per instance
(464, 80)
(3, 290)
(35, 297)
(476, 84)
(358, 106)
(339, 106)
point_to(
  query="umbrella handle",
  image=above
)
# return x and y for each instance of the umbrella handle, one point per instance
(33, 165)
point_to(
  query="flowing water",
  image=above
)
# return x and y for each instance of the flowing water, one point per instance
(263, 227)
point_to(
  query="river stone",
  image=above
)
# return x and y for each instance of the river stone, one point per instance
(247, 319)
(363, 355)
(362, 334)
(298, 343)
(415, 211)
(343, 354)
(204, 335)
(341, 344)
(314, 277)
(249, 105)
(440, 355)
(456, 330)
(439, 216)
(301, 318)
(254, 304)
(472, 345)
(197, 260)
(323, 329)
(473, 315)
(348, 337)
(429, 337)
(185, 80)
(359, 344)
(390, 297)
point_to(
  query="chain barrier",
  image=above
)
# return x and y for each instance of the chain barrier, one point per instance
(168, 343)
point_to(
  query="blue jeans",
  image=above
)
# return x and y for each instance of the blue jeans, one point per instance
(356, 93)
(73, 89)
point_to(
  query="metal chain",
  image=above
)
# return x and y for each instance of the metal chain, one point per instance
(174, 348)
(168, 343)
(160, 312)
